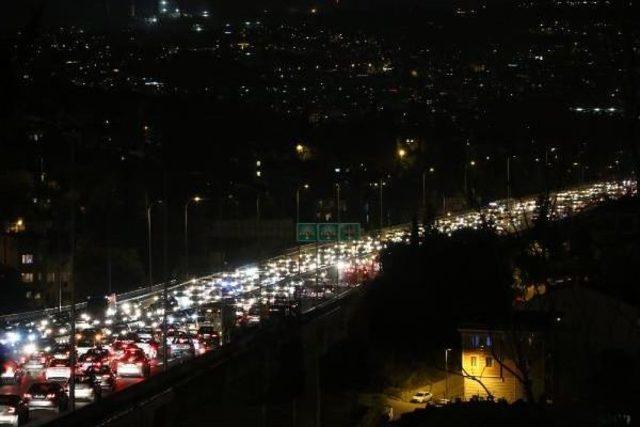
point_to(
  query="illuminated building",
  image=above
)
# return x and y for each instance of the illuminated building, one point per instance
(489, 363)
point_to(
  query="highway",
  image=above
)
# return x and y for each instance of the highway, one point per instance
(298, 280)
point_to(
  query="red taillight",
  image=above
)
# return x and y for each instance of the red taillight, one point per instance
(43, 360)
(139, 363)
(51, 396)
(106, 377)
(27, 396)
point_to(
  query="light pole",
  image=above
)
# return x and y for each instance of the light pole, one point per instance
(446, 369)
(508, 183)
(424, 187)
(306, 187)
(195, 199)
(381, 184)
(466, 173)
(338, 201)
(149, 242)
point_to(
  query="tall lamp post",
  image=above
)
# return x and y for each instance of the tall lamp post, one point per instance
(149, 240)
(424, 187)
(305, 187)
(195, 199)
(446, 369)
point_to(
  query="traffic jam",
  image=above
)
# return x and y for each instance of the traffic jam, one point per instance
(121, 342)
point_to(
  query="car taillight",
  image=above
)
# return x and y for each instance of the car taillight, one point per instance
(106, 376)
(27, 396)
(51, 396)
(43, 360)
(139, 363)
(9, 370)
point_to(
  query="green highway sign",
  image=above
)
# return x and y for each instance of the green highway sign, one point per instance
(349, 231)
(327, 232)
(307, 232)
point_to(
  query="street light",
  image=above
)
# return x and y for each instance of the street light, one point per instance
(424, 186)
(402, 153)
(466, 165)
(338, 201)
(196, 199)
(306, 187)
(446, 368)
(149, 245)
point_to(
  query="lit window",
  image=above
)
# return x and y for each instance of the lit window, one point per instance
(489, 341)
(489, 362)
(474, 361)
(475, 341)
(27, 277)
(27, 258)
(16, 227)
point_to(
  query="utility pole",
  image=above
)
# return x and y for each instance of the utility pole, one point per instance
(72, 279)
(446, 369)
(508, 183)
(381, 210)
(149, 236)
(149, 249)
(338, 201)
(109, 263)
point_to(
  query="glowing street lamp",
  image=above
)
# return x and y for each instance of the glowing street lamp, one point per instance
(305, 187)
(402, 153)
(195, 199)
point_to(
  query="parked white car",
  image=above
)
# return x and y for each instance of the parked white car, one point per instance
(421, 397)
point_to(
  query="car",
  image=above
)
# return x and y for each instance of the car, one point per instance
(119, 346)
(421, 397)
(12, 373)
(35, 364)
(145, 340)
(95, 356)
(61, 351)
(104, 376)
(133, 363)
(182, 345)
(440, 402)
(209, 337)
(47, 395)
(59, 370)
(87, 388)
(13, 410)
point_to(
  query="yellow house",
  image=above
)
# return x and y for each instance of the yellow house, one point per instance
(488, 364)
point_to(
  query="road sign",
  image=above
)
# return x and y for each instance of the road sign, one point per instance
(349, 231)
(327, 232)
(307, 232)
